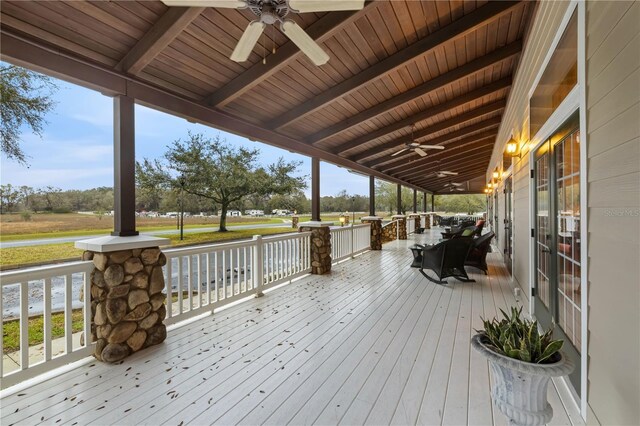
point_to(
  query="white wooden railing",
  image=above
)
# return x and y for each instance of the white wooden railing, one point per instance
(349, 240)
(200, 279)
(411, 225)
(30, 293)
(197, 280)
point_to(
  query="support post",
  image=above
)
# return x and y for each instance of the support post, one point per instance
(372, 196)
(433, 205)
(424, 202)
(315, 189)
(415, 201)
(399, 199)
(124, 162)
(258, 261)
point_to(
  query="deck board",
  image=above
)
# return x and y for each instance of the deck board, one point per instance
(374, 342)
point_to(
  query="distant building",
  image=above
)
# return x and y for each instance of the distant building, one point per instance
(234, 213)
(281, 212)
(254, 213)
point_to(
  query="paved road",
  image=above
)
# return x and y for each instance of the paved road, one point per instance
(42, 241)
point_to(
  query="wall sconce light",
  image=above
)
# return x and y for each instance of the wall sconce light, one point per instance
(487, 190)
(489, 185)
(496, 175)
(512, 148)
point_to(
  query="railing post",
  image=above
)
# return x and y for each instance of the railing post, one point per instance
(257, 271)
(352, 240)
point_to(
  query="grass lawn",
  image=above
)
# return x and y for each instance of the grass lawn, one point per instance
(14, 257)
(14, 228)
(11, 329)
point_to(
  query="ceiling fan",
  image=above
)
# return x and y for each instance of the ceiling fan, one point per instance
(442, 173)
(416, 147)
(269, 12)
(453, 184)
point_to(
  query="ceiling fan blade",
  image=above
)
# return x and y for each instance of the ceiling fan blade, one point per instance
(431, 146)
(247, 41)
(420, 152)
(399, 152)
(223, 4)
(306, 44)
(449, 173)
(324, 5)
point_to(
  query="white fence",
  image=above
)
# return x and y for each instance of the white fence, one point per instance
(349, 240)
(42, 291)
(411, 225)
(200, 279)
(197, 280)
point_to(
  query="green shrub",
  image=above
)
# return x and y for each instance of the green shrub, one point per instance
(26, 216)
(520, 339)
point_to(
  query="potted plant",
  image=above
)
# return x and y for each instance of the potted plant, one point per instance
(522, 361)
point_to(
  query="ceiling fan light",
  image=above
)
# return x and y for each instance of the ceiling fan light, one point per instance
(247, 41)
(224, 4)
(305, 43)
(324, 5)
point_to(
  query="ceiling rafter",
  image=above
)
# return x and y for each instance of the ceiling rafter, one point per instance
(470, 173)
(407, 166)
(463, 71)
(476, 159)
(321, 30)
(161, 34)
(430, 112)
(486, 125)
(463, 167)
(487, 136)
(457, 29)
(427, 131)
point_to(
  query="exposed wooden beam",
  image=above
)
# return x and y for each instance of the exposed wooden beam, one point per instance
(457, 29)
(488, 124)
(161, 34)
(431, 112)
(452, 148)
(321, 30)
(20, 50)
(472, 165)
(428, 131)
(463, 169)
(415, 170)
(469, 174)
(478, 157)
(410, 95)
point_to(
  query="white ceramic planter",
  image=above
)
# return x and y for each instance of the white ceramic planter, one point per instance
(520, 388)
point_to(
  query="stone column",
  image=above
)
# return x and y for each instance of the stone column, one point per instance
(389, 233)
(320, 245)
(402, 226)
(416, 220)
(127, 294)
(376, 231)
(426, 216)
(294, 221)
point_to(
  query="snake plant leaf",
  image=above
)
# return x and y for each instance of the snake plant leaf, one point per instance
(551, 349)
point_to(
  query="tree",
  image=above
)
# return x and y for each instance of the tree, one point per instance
(25, 99)
(216, 171)
(460, 203)
(9, 197)
(387, 197)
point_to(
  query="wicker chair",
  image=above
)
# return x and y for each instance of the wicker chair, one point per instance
(477, 257)
(446, 259)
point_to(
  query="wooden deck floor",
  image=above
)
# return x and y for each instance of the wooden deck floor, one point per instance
(374, 342)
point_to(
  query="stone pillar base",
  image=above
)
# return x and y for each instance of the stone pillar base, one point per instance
(402, 224)
(294, 221)
(127, 299)
(320, 246)
(376, 231)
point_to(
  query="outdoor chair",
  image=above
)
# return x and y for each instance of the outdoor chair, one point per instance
(446, 259)
(459, 232)
(477, 257)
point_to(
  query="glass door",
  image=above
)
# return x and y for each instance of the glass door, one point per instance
(508, 224)
(557, 239)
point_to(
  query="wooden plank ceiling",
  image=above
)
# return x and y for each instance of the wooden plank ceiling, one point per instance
(444, 67)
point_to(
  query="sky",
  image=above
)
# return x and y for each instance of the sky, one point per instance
(76, 150)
